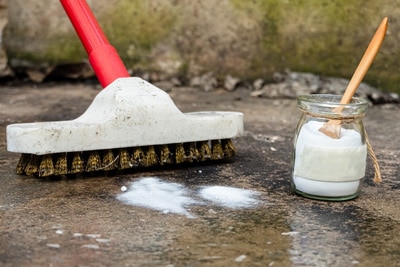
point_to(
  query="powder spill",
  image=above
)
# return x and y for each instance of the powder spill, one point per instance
(168, 197)
(229, 197)
(155, 194)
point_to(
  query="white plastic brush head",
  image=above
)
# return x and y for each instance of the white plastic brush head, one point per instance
(130, 113)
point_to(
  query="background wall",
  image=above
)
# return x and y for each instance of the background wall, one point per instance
(183, 38)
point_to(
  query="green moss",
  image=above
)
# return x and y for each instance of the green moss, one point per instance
(134, 27)
(323, 37)
(64, 49)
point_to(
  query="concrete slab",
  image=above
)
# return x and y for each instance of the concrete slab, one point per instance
(79, 221)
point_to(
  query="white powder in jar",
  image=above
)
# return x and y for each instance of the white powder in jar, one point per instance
(328, 167)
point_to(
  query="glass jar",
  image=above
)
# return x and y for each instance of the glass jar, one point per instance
(329, 167)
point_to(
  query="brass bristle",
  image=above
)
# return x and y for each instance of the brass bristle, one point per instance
(46, 166)
(179, 153)
(205, 151)
(109, 161)
(192, 153)
(123, 158)
(22, 163)
(93, 162)
(137, 157)
(77, 165)
(229, 148)
(165, 155)
(61, 165)
(32, 166)
(217, 151)
(150, 158)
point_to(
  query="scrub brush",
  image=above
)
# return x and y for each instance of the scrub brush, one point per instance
(129, 124)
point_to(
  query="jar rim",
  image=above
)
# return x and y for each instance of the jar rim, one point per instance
(325, 105)
(330, 100)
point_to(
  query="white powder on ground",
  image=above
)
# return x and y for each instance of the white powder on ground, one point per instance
(229, 197)
(158, 195)
(168, 197)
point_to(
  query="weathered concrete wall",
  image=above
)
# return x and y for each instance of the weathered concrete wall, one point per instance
(247, 39)
(3, 22)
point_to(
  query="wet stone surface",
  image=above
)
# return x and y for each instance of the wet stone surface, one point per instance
(78, 221)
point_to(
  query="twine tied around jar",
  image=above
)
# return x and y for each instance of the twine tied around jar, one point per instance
(349, 119)
(377, 176)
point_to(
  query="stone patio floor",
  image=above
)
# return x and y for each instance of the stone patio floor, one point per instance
(78, 221)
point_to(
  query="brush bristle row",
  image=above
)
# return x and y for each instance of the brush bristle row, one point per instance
(123, 158)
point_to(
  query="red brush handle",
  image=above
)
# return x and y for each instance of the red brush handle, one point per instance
(103, 57)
